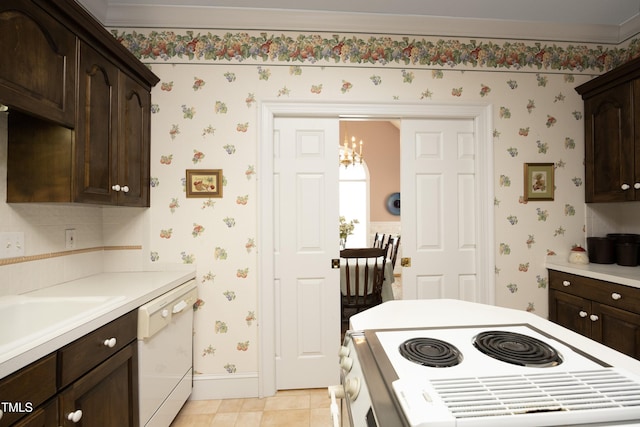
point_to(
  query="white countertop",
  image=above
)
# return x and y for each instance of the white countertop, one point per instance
(629, 276)
(132, 290)
(447, 312)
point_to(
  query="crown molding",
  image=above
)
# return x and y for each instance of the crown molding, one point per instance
(194, 17)
(629, 29)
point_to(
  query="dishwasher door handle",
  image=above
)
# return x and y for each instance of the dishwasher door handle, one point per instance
(179, 307)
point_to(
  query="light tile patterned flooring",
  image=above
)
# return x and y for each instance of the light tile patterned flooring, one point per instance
(288, 408)
(295, 408)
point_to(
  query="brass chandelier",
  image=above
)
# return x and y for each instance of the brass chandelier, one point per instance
(349, 155)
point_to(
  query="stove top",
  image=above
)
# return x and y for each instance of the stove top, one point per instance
(485, 375)
(538, 351)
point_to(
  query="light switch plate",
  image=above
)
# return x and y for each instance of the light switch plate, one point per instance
(70, 238)
(11, 244)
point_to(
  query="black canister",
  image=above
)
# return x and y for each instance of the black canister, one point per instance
(624, 237)
(627, 254)
(601, 250)
(627, 251)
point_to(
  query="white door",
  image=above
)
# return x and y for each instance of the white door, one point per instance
(438, 204)
(307, 288)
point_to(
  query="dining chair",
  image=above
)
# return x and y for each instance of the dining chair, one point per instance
(363, 277)
(378, 241)
(392, 249)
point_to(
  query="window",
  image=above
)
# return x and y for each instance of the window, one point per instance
(354, 202)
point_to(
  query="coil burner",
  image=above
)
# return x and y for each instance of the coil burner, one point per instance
(517, 349)
(430, 352)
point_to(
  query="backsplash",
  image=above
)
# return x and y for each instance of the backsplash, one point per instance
(107, 239)
(604, 218)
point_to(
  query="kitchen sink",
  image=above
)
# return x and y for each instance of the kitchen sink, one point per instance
(25, 318)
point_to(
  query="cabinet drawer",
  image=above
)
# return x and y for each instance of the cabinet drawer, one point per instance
(31, 385)
(87, 352)
(612, 294)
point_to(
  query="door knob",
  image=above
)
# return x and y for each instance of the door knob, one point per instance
(405, 262)
(335, 263)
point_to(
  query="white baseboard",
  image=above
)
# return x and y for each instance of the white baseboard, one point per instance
(210, 387)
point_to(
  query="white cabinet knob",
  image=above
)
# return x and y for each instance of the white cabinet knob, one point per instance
(165, 313)
(593, 317)
(583, 314)
(616, 296)
(636, 185)
(566, 283)
(75, 416)
(125, 189)
(110, 342)
(115, 187)
(625, 187)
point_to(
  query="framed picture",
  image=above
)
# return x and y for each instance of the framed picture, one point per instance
(538, 181)
(204, 182)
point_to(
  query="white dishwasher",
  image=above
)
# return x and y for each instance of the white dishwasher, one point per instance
(165, 354)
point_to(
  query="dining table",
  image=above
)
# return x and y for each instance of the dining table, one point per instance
(387, 284)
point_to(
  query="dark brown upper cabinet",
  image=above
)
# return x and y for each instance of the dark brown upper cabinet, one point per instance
(38, 74)
(612, 135)
(79, 108)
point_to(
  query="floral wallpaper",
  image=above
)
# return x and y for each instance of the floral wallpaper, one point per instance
(204, 116)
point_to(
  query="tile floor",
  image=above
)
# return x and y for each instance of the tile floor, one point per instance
(288, 408)
(294, 408)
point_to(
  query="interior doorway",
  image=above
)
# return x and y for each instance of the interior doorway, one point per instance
(480, 116)
(381, 161)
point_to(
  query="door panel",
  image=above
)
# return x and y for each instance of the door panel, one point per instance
(306, 239)
(439, 199)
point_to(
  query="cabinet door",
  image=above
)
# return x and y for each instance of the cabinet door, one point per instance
(636, 107)
(107, 395)
(609, 145)
(44, 416)
(133, 143)
(96, 129)
(618, 329)
(38, 70)
(570, 311)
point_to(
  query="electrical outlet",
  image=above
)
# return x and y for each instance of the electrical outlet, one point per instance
(11, 244)
(70, 238)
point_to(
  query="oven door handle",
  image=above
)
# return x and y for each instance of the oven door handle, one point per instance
(335, 411)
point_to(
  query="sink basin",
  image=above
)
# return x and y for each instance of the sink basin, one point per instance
(26, 318)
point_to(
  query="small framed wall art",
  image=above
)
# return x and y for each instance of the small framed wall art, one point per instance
(538, 181)
(204, 183)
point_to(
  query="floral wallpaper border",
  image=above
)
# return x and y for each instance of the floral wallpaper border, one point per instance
(374, 50)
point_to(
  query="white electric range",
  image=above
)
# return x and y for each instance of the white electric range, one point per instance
(484, 374)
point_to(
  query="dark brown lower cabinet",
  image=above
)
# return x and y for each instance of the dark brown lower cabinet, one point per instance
(92, 381)
(606, 312)
(107, 395)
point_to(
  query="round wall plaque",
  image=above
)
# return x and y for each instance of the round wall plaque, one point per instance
(393, 204)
